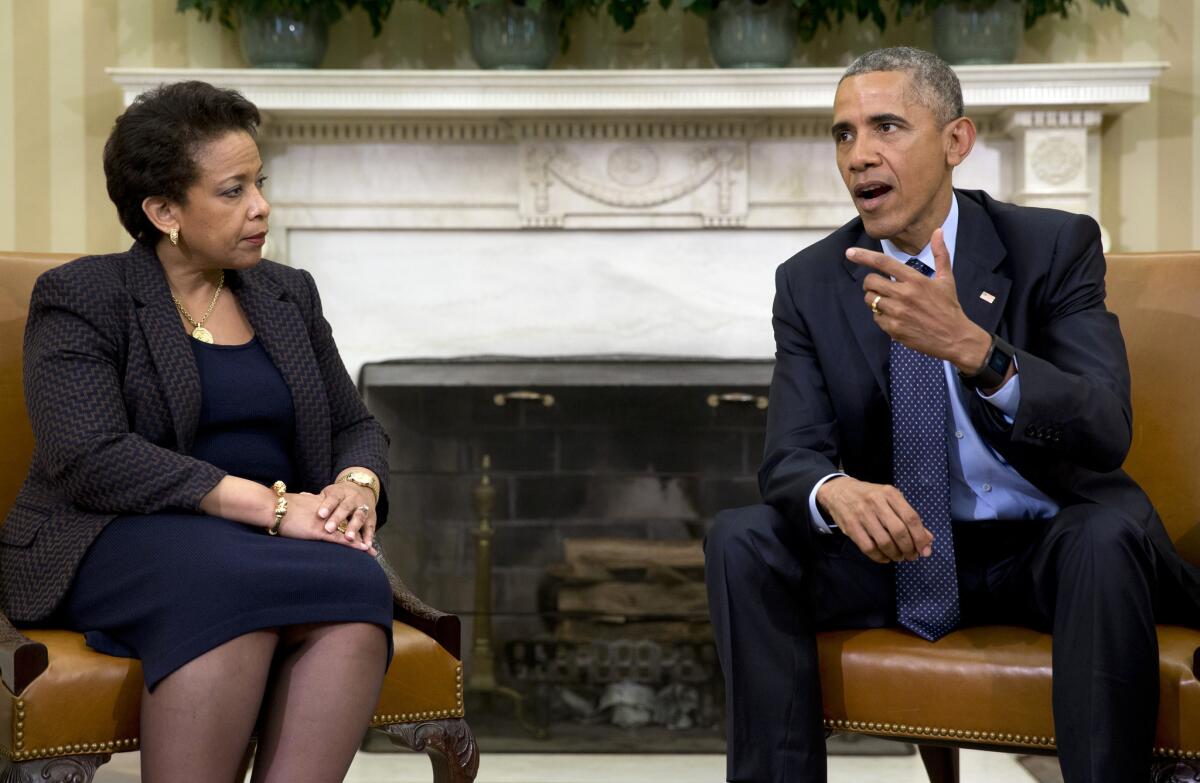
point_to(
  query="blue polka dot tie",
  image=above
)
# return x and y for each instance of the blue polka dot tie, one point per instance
(927, 588)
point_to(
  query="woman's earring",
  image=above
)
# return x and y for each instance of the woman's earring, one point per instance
(174, 236)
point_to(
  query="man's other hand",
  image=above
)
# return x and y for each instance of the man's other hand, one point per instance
(877, 519)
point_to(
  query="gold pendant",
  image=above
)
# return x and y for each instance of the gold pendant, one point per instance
(202, 334)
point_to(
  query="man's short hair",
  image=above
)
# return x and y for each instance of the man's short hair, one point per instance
(935, 83)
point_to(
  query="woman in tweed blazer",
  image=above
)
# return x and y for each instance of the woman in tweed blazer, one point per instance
(144, 520)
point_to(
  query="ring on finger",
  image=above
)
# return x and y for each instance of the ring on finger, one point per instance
(342, 527)
(364, 509)
(875, 304)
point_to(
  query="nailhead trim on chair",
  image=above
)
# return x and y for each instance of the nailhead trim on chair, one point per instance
(115, 746)
(409, 717)
(939, 733)
(1171, 753)
(1026, 740)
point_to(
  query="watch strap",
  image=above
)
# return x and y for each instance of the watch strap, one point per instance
(992, 373)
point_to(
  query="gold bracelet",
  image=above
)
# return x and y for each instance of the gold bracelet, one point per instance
(280, 506)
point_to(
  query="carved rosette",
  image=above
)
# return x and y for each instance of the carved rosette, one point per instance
(1056, 160)
(68, 769)
(448, 741)
(1178, 771)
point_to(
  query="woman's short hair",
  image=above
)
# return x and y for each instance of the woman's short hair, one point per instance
(152, 148)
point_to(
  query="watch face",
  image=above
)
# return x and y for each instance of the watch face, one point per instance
(1000, 359)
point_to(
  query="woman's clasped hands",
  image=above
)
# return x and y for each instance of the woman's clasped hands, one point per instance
(343, 513)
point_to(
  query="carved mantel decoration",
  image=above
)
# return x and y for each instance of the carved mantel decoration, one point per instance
(472, 198)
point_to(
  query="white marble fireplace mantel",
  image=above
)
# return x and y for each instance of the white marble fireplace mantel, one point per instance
(453, 213)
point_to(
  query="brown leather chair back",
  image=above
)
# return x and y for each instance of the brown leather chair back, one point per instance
(1157, 298)
(18, 271)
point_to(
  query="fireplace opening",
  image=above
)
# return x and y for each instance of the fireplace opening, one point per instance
(581, 488)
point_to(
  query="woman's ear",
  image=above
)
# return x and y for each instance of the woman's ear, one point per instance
(162, 213)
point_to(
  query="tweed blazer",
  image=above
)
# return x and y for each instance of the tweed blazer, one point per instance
(113, 394)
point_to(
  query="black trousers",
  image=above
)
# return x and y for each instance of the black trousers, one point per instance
(1088, 576)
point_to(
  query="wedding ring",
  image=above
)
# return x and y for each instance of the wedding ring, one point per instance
(341, 528)
(875, 304)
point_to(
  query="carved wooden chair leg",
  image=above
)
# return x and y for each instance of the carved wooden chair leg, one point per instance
(941, 763)
(1175, 771)
(65, 769)
(449, 743)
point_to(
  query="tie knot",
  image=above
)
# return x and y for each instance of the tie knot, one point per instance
(920, 266)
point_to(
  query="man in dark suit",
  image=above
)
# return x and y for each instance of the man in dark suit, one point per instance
(949, 415)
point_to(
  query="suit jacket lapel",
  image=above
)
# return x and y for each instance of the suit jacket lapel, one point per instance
(280, 327)
(982, 290)
(873, 341)
(167, 342)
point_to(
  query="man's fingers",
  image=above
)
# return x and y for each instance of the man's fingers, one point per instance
(941, 255)
(882, 263)
(880, 284)
(920, 535)
(866, 544)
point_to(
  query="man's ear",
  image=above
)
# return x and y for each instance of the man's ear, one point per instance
(162, 213)
(960, 140)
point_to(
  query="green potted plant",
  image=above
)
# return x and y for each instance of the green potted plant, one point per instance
(284, 33)
(762, 33)
(985, 32)
(526, 34)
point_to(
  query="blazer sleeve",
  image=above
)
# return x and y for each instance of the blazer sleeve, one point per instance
(802, 440)
(358, 439)
(1075, 389)
(73, 377)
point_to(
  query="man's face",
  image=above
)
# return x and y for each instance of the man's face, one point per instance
(894, 157)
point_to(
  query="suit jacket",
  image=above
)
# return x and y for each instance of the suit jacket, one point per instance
(1045, 269)
(113, 394)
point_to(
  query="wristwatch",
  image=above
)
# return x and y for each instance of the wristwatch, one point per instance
(363, 479)
(995, 367)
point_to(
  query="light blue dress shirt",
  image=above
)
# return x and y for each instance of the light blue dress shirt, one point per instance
(982, 484)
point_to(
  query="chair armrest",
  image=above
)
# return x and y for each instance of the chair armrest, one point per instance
(443, 628)
(21, 658)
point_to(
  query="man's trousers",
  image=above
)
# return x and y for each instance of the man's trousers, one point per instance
(1088, 576)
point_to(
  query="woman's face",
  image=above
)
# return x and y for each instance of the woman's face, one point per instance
(223, 223)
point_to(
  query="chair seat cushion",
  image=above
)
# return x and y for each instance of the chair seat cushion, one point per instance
(987, 686)
(87, 702)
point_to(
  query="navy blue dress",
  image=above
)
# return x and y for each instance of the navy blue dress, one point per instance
(168, 587)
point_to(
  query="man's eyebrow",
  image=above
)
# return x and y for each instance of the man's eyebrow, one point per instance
(879, 119)
(838, 127)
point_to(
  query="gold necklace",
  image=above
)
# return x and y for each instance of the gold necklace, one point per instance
(200, 333)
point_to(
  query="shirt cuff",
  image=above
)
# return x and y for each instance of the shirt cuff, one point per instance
(1008, 397)
(814, 513)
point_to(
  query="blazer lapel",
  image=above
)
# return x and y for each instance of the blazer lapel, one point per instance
(167, 341)
(873, 341)
(982, 290)
(280, 327)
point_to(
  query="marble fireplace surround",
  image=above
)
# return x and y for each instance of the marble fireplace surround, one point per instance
(557, 213)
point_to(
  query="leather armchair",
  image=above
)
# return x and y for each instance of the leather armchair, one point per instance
(989, 687)
(65, 709)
